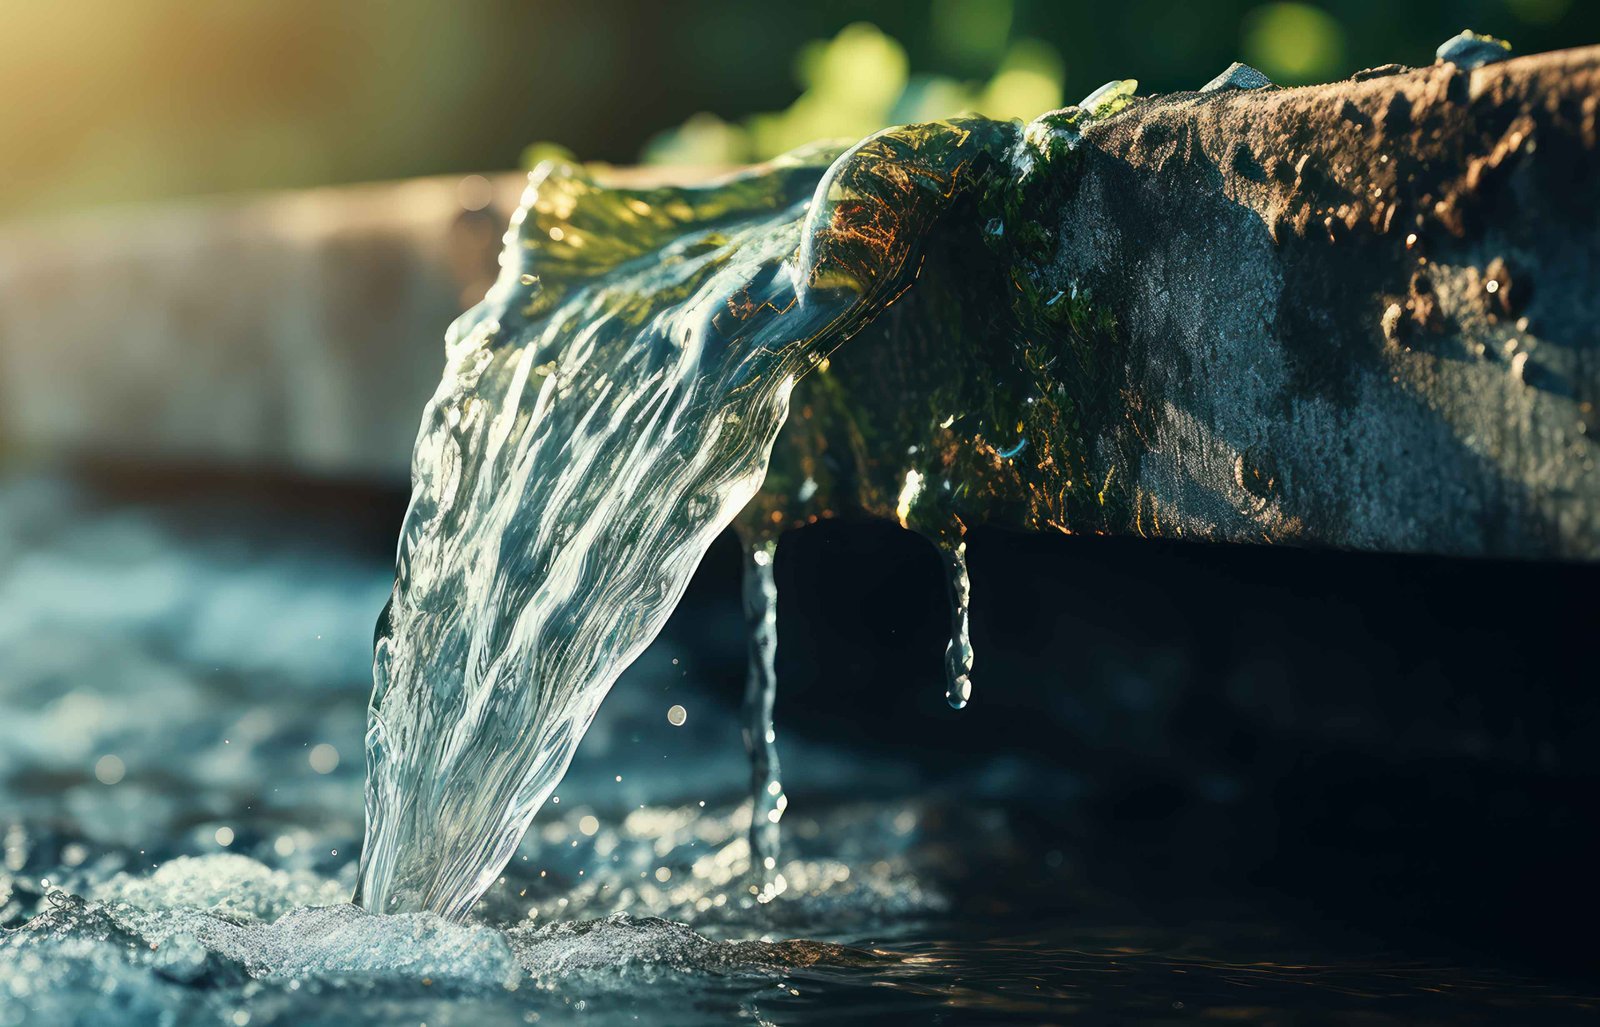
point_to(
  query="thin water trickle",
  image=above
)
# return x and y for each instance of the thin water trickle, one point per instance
(958, 654)
(760, 738)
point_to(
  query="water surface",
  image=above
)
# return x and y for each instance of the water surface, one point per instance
(213, 644)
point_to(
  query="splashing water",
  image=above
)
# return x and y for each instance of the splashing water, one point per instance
(118, 907)
(605, 412)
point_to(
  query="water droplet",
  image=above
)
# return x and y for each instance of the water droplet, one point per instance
(908, 497)
(324, 758)
(474, 192)
(109, 769)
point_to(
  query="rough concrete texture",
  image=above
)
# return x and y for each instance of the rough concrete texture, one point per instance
(1360, 314)
(1210, 320)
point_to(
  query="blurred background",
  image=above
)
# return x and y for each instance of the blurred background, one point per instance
(114, 101)
(215, 343)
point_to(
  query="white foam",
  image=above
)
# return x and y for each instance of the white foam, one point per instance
(224, 883)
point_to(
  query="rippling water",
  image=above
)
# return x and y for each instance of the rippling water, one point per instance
(215, 648)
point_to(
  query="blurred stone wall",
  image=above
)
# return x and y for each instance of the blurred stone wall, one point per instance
(299, 331)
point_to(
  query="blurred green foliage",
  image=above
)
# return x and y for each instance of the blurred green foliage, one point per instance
(111, 100)
(1293, 42)
(861, 81)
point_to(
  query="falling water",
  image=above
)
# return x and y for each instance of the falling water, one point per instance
(958, 654)
(604, 413)
(760, 738)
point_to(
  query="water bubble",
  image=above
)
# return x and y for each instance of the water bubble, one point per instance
(324, 758)
(109, 769)
(1110, 98)
(1468, 50)
(676, 715)
(224, 836)
(588, 825)
(474, 192)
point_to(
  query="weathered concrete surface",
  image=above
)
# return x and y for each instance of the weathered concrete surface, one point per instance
(1360, 314)
(1209, 323)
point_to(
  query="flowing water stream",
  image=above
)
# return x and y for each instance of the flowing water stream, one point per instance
(606, 411)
